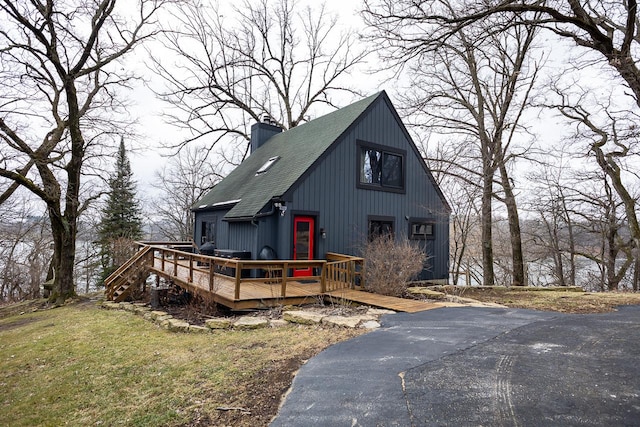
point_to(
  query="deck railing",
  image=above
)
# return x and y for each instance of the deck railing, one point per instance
(343, 271)
(338, 271)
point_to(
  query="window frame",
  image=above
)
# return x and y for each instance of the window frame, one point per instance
(208, 230)
(378, 218)
(422, 221)
(384, 150)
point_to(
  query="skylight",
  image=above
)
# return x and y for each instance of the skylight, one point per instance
(267, 165)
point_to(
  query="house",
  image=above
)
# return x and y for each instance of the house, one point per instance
(327, 186)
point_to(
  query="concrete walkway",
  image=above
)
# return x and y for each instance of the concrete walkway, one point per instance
(476, 366)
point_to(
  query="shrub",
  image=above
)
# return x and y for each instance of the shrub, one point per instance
(391, 265)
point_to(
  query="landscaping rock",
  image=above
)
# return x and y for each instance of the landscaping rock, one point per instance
(370, 324)
(110, 305)
(176, 325)
(156, 314)
(199, 329)
(165, 323)
(163, 318)
(140, 311)
(379, 312)
(218, 323)
(302, 317)
(346, 322)
(250, 323)
(127, 306)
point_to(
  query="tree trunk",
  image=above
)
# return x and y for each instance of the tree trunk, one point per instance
(488, 277)
(517, 258)
(64, 238)
(571, 240)
(64, 227)
(636, 268)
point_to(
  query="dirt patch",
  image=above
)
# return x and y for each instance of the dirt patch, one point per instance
(258, 403)
(7, 326)
(15, 309)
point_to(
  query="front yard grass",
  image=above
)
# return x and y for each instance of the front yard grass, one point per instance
(81, 365)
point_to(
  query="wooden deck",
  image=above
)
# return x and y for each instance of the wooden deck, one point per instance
(248, 284)
(253, 293)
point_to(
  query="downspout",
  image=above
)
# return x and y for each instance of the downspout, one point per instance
(264, 214)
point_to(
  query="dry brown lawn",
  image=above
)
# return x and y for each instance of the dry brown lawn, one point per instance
(569, 300)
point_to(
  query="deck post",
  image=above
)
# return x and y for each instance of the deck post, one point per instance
(190, 268)
(211, 275)
(285, 273)
(323, 279)
(175, 264)
(352, 274)
(238, 275)
(162, 260)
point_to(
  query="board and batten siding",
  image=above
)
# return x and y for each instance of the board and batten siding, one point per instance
(331, 189)
(222, 229)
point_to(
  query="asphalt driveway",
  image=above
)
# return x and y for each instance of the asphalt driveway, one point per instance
(476, 366)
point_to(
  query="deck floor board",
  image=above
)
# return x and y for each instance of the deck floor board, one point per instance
(382, 301)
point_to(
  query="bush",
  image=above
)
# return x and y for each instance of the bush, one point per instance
(391, 265)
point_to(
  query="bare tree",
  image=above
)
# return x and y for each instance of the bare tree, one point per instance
(58, 87)
(24, 250)
(475, 93)
(554, 199)
(607, 222)
(183, 181)
(462, 197)
(609, 29)
(234, 65)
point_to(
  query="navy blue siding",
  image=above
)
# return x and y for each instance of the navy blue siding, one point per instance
(242, 237)
(344, 209)
(222, 229)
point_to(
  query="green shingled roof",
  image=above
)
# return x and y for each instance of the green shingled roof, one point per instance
(298, 149)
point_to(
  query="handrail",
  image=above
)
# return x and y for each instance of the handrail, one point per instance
(332, 256)
(127, 264)
(336, 272)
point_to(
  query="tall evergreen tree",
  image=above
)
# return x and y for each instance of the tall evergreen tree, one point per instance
(121, 221)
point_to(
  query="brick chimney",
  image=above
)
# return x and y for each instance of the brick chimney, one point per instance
(262, 131)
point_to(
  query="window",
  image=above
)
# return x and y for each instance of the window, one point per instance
(267, 165)
(208, 231)
(380, 167)
(421, 229)
(378, 227)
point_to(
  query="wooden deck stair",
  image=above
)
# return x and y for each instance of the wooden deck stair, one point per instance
(120, 283)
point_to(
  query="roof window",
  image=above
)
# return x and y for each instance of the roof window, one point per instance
(267, 165)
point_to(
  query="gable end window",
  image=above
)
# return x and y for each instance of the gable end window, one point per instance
(421, 229)
(380, 168)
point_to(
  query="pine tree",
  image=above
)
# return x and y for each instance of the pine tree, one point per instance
(121, 221)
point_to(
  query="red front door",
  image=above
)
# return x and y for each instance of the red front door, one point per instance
(303, 241)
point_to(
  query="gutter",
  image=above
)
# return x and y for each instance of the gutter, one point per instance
(276, 204)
